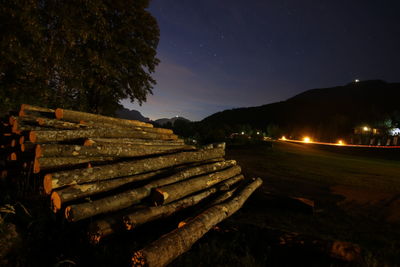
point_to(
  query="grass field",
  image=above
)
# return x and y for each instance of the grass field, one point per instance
(356, 195)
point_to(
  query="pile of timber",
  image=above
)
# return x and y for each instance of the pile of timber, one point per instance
(123, 174)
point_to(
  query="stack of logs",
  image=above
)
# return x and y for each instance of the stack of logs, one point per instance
(126, 170)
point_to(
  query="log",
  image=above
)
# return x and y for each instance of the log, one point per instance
(114, 150)
(60, 197)
(98, 173)
(64, 135)
(43, 164)
(26, 107)
(58, 124)
(169, 193)
(128, 198)
(27, 147)
(167, 248)
(129, 141)
(107, 225)
(92, 124)
(77, 116)
(79, 191)
(142, 216)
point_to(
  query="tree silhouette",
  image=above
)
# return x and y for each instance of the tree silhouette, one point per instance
(86, 55)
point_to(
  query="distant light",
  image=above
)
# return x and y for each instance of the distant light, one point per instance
(356, 80)
(177, 116)
(283, 138)
(365, 128)
(395, 131)
(306, 139)
(242, 133)
(258, 132)
(340, 142)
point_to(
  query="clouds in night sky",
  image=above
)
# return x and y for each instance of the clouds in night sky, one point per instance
(219, 54)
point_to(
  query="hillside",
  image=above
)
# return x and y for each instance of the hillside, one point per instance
(321, 111)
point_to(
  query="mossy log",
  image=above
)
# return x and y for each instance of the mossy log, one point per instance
(59, 197)
(130, 197)
(115, 150)
(120, 169)
(142, 216)
(167, 248)
(130, 141)
(169, 193)
(64, 135)
(43, 164)
(77, 116)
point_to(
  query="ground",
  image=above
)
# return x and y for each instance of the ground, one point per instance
(312, 196)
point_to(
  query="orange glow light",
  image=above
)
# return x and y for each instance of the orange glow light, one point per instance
(306, 139)
(283, 138)
(340, 143)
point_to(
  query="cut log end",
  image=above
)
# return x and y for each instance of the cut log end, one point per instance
(13, 143)
(36, 167)
(138, 259)
(129, 225)
(68, 214)
(38, 151)
(40, 121)
(158, 196)
(32, 136)
(89, 142)
(13, 156)
(181, 224)
(47, 184)
(55, 201)
(59, 113)
(21, 140)
(21, 113)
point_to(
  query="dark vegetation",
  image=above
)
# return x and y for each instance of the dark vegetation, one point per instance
(323, 114)
(84, 55)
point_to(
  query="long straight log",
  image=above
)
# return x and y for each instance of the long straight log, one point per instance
(43, 164)
(64, 135)
(77, 116)
(142, 216)
(137, 128)
(115, 150)
(25, 107)
(169, 193)
(130, 141)
(170, 246)
(59, 197)
(58, 124)
(98, 173)
(125, 199)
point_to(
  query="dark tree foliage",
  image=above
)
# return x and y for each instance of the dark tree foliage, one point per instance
(78, 54)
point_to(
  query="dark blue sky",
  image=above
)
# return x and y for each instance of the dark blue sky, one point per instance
(222, 54)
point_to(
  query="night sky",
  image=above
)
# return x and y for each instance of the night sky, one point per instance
(223, 54)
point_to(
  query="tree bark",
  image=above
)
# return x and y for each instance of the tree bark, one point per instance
(98, 173)
(142, 216)
(43, 164)
(129, 141)
(77, 116)
(60, 197)
(58, 124)
(79, 191)
(111, 150)
(128, 198)
(64, 135)
(169, 193)
(170, 246)
(25, 107)
(92, 124)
